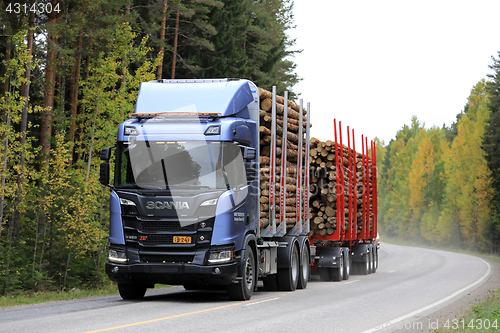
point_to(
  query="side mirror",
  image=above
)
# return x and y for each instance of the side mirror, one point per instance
(104, 173)
(106, 154)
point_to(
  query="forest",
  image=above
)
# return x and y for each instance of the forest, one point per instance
(441, 186)
(70, 72)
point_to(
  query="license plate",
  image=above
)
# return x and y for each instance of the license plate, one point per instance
(182, 239)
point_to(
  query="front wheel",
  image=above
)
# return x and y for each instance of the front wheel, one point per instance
(243, 290)
(131, 290)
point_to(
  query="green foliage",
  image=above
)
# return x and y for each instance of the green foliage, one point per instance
(52, 233)
(438, 191)
(491, 146)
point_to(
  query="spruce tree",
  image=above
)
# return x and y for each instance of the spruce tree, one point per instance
(491, 146)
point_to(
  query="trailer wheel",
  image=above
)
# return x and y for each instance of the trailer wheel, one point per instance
(338, 273)
(364, 267)
(347, 267)
(132, 290)
(372, 261)
(288, 278)
(305, 268)
(243, 290)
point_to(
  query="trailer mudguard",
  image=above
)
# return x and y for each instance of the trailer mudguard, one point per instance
(359, 251)
(329, 256)
(285, 252)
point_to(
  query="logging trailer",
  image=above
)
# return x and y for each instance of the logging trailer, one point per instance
(187, 205)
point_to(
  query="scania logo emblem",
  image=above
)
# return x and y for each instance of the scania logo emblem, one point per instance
(167, 205)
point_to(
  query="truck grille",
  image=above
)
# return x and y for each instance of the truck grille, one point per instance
(153, 226)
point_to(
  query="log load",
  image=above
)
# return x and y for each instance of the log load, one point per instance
(324, 212)
(293, 126)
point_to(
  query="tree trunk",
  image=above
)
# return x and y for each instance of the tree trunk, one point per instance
(162, 38)
(80, 139)
(75, 90)
(49, 88)
(4, 174)
(24, 126)
(176, 36)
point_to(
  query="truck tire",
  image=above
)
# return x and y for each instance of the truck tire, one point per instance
(375, 259)
(131, 290)
(347, 266)
(338, 272)
(243, 290)
(305, 268)
(288, 278)
(372, 261)
(364, 267)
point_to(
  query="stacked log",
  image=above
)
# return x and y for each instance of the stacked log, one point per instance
(326, 202)
(293, 125)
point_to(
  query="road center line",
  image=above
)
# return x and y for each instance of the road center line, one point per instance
(409, 315)
(179, 315)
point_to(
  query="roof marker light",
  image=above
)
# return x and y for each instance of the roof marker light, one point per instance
(213, 130)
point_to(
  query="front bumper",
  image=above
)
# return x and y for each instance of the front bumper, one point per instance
(172, 273)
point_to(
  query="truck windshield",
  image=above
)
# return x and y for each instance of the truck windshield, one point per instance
(179, 164)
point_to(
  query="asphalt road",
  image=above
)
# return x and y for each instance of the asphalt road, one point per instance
(409, 284)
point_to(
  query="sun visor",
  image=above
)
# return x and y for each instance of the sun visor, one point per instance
(226, 97)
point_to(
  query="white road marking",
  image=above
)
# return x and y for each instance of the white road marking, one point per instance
(409, 315)
(351, 281)
(391, 271)
(266, 300)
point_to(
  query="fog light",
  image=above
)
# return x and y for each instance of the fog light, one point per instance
(115, 269)
(217, 270)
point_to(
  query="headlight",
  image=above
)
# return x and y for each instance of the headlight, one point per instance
(128, 207)
(127, 202)
(218, 256)
(117, 256)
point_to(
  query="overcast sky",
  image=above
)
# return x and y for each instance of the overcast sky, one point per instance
(374, 64)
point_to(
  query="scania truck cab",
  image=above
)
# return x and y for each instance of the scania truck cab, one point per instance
(184, 199)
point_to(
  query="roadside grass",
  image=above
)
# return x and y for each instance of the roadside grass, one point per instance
(483, 317)
(30, 297)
